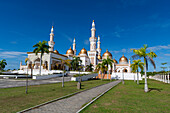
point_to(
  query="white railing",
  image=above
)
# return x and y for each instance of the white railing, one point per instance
(163, 78)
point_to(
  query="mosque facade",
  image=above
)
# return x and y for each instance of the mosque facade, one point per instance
(93, 56)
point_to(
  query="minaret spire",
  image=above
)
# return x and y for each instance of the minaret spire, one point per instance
(51, 42)
(93, 39)
(98, 46)
(74, 46)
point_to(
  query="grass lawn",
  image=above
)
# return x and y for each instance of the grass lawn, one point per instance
(15, 99)
(131, 98)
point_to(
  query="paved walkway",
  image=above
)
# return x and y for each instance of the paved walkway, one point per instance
(74, 103)
(6, 83)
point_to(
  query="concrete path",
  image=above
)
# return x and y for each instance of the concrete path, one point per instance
(6, 83)
(74, 103)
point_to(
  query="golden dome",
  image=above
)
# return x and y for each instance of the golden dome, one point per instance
(99, 57)
(107, 54)
(55, 51)
(70, 52)
(115, 61)
(83, 51)
(123, 60)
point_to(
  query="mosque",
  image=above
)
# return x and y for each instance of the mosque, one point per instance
(92, 56)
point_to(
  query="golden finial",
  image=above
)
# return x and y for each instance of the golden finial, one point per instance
(52, 26)
(93, 20)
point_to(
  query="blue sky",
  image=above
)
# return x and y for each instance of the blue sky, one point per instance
(121, 24)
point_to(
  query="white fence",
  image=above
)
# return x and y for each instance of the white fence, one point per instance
(84, 78)
(163, 78)
(126, 76)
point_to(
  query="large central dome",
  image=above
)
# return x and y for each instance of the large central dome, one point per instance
(123, 60)
(70, 52)
(107, 54)
(83, 52)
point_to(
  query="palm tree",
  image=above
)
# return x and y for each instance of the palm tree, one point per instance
(26, 60)
(41, 47)
(2, 64)
(108, 62)
(63, 63)
(75, 63)
(89, 67)
(101, 67)
(137, 64)
(141, 53)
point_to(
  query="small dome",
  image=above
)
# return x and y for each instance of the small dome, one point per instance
(107, 54)
(70, 52)
(55, 51)
(115, 61)
(83, 51)
(99, 57)
(123, 60)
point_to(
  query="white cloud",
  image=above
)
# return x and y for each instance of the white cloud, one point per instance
(86, 42)
(13, 42)
(11, 54)
(121, 51)
(167, 54)
(159, 47)
(1, 49)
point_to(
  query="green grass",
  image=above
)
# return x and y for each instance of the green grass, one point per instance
(131, 98)
(15, 99)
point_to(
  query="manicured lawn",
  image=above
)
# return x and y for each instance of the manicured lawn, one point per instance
(131, 98)
(15, 99)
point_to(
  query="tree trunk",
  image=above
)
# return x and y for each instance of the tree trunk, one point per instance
(146, 85)
(137, 77)
(123, 78)
(63, 78)
(26, 91)
(40, 63)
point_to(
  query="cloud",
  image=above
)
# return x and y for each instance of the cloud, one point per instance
(167, 54)
(1, 49)
(116, 34)
(159, 47)
(121, 51)
(13, 42)
(11, 54)
(86, 42)
(66, 36)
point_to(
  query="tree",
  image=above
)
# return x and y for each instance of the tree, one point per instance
(63, 63)
(101, 67)
(41, 47)
(108, 62)
(141, 53)
(89, 67)
(75, 63)
(137, 64)
(2, 64)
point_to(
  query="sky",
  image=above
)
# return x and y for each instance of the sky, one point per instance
(121, 24)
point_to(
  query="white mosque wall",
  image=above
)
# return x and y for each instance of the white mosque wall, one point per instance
(84, 78)
(126, 76)
(46, 76)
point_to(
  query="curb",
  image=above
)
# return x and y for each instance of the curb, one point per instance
(96, 98)
(66, 96)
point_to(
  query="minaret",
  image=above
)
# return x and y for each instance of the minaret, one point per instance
(74, 46)
(51, 42)
(98, 46)
(93, 39)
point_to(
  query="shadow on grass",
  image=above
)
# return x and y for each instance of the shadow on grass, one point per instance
(151, 89)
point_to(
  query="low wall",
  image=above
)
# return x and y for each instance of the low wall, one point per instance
(126, 76)
(46, 76)
(84, 78)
